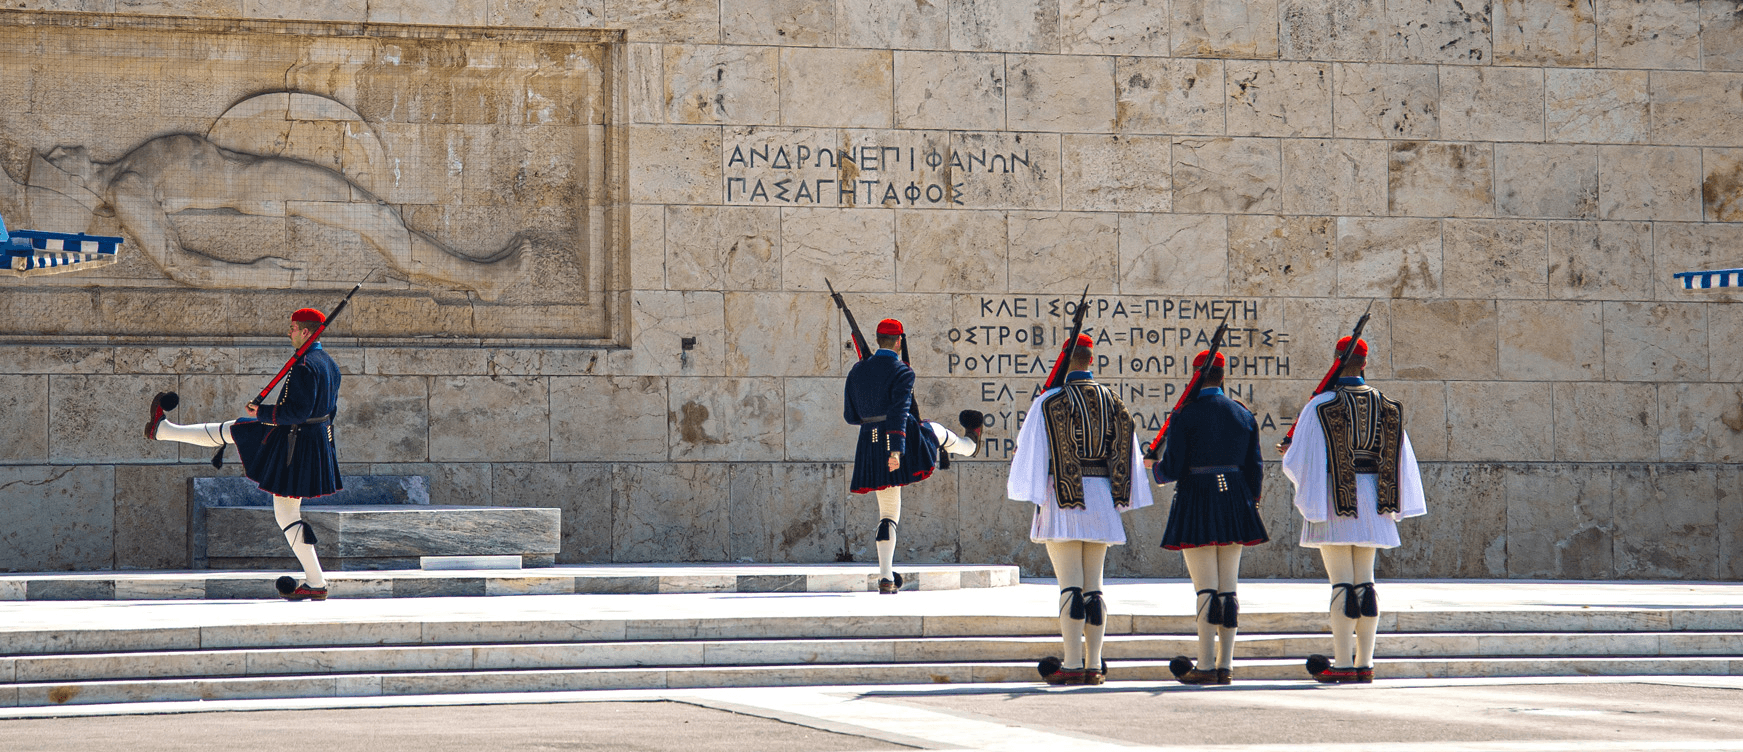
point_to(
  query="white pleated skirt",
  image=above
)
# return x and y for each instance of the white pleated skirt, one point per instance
(1367, 528)
(1097, 522)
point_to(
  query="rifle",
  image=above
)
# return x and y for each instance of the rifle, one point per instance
(865, 351)
(1343, 357)
(218, 459)
(1154, 451)
(1061, 367)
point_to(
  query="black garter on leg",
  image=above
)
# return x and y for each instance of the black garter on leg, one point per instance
(1213, 606)
(1370, 606)
(1231, 609)
(886, 529)
(308, 532)
(1352, 608)
(1095, 610)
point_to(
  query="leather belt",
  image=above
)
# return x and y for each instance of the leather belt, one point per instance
(297, 429)
(870, 419)
(1093, 468)
(1212, 469)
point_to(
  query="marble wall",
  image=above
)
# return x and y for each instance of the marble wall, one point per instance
(1511, 185)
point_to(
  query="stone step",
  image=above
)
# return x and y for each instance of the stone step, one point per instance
(335, 633)
(454, 682)
(556, 580)
(701, 653)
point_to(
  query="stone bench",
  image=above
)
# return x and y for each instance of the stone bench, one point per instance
(377, 522)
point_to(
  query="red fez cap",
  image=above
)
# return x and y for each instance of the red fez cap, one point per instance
(1202, 354)
(309, 314)
(889, 328)
(1361, 346)
(1084, 342)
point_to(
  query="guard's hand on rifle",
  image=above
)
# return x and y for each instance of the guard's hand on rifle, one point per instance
(1282, 448)
(1149, 464)
(895, 461)
(253, 410)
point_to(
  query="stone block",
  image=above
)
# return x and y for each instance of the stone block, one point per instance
(788, 513)
(674, 164)
(813, 426)
(1600, 260)
(1700, 422)
(929, 528)
(1551, 340)
(1069, 93)
(1277, 255)
(1445, 339)
(1313, 326)
(1606, 422)
(1496, 258)
(660, 321)
(1332, 29)
(1425, 406)
(1691, 246)
(512, 415)
(56, 359)
(675, 511)
(1597, 106)
(1006, 170)
(725, 419)
(1559, 522)
(451, 483)
(388, 531)
(1335, 177)
(99, 418)
(1276, 98)
(1174, 253)
(950, 251)
(647, 247)
(384, 419)
(1385, 101)
(323, 10)
(681, 21)
(1491, 103)
(1642, 34)
(1464, 533)
(721, 84)
(1063, 251)
(1546, 180)
(24, 418)
(1116, 173)
(178, 360)
(723, 248)
(1158, 95)
(1004, 25)
(1500, 421)
(780, 334)
(1655, 341)
(548, 13)
(1666, 519)
(57, 518)
(1113, 27)
(891, 25)
(1722, 36)
(596, 418)
(396, 361)
(1388, 257)
(1224, 28)
(1560, 34)
(757, 22)
(151, 513)
(853, 248)
(646, 83)
(1227, 175)
(1724, 323)
(1141, 555)
(1722, 186)
(1697, 109)
(831, 88)
(1437, 31)
(582, 491)
(963, 90)
(927, 319)
(1437, 179)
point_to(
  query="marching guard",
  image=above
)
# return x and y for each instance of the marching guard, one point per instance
(286, 448)
(895, 447)
(1078, 461)
(1355, 476)
(1212, 456)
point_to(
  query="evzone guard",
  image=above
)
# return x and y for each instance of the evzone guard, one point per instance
(1355, 476)
(896, 448)
(1078, 462)
(1210, 451)
(286, 447)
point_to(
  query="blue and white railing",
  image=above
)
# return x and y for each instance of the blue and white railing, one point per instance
(1711, 280)
(29, 250)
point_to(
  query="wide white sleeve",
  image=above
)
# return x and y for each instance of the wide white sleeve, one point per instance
(1028, 480)
(1304, 463)
(1142, 496)
(1410, 499)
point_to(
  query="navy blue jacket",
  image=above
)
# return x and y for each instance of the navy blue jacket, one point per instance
(1212, 431)
(283, 451)
(879, 399)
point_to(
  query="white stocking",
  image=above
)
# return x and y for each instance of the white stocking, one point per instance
(1228, 575)
(889, 508)
(288, 512)
(1067, 559)
(1367, 626)
(1340, 568)
(1094, 557)
(198, 434)
(949, 441)
(1201, 566)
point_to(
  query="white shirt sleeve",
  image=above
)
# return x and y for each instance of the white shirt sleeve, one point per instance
(1029, 480)
(1410, 497)
(1304, 463)
(1142, 496)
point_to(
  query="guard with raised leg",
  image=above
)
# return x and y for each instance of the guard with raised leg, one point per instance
(1355, 476)
(286, 447)
(1078, 462)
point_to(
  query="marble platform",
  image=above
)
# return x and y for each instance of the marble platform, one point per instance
(378, 537)
(554, 580)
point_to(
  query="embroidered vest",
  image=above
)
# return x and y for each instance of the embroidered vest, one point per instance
(1364, 433)
(1089, 433)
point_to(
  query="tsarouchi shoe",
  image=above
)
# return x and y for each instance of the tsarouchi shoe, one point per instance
(891, 587)
(1365, 675)
(1094, 676)
(289, 590)
(1068, 677)
(160, 404)
(1225, 676)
